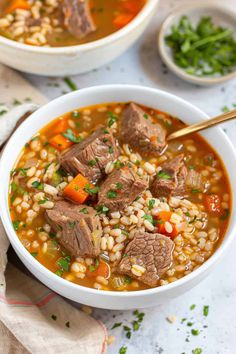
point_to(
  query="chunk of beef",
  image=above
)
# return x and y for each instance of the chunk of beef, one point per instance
(171, 180)
(91, 156)
(79, 226)
(138, 130)
(153, 252)
(121, 188)
(77, 17)
(195, 181)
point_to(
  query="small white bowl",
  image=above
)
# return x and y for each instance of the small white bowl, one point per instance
(62, 61)
(105, 94)
(220, 15)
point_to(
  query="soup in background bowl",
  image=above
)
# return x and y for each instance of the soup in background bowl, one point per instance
(60, 23)
(100, 200)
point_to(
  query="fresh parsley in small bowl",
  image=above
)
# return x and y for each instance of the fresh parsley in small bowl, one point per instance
(198, 44)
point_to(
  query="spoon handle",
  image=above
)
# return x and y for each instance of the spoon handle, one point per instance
(203, 125)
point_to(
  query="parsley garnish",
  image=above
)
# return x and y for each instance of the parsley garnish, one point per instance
(111, 194)
(84, 211)
(123, 350)
(70, 84)
(37, 184)
(164, 175)
(195, 332)
(93, 162)
(70, 136)
(149, 218)
(197, 351)
(112, 119)
(64, 263)
(91, 190)
(34, 254)
(102, 209)
(151, 204)
(16, 225)
(145, 116)
(110, 150)
(119, 185)
(205, 310)
(192, 307)
(116, 325)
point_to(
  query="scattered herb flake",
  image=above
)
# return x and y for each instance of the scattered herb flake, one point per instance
(71, 84)
(118, 324)
(205, 310)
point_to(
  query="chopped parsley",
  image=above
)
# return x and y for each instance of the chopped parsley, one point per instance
(164, 175)
(84, 211)
(151, 204)
(136, 325)
(43, 201)
(123, 350)
(202, 50)
(37, 184)
(118, 164)
(102, 209)
(192, 307)
(118, 324)
(149, 218)
(71, 136)
(75, 114)
(34, 254)
(90, 189)
(145, 116)
(16, 225)
(111, 194)
(119, 185)
(197, 351)
(71, 84)
(64, 263)
(93, 162)
(110, 150)
(205, 310)
(195, 332)
(71, 224)
(112, 119)
(59, 272)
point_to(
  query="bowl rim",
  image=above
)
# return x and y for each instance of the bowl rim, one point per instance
(63, 283)
(139, 18)
(169, 60)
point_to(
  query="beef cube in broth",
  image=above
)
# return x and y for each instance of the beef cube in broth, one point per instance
(77, 17)
(171, 179)
(121, 188)
(79, 226)
(138, 130)
(147, 257)
(91, 156)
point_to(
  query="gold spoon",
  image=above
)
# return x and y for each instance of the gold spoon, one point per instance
(203, 125)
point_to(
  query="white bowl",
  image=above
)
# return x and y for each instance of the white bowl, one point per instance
(105, 94)
(221, 16)
(62, 61)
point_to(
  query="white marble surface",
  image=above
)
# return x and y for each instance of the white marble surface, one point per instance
(141, 65)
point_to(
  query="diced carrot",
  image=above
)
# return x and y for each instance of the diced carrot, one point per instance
(213, 204)
(122, 19)
(161, 218)
(60, 142)
(59, 127)
(75, 189)
(153, 139)
(17, 4)
(131, 5)
(102, 270)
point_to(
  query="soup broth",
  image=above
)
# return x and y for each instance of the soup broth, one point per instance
(194, 222)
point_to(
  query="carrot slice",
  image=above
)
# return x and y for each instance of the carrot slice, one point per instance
(17, 4)
(122, 20)
(102, 270)
(131, 5)
(60, 142)
(161, 218)
(59, 126)
(75, 189)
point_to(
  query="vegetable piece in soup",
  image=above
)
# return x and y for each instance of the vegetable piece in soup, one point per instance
(99, 209)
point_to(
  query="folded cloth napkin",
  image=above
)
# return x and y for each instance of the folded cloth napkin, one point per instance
(33, 319)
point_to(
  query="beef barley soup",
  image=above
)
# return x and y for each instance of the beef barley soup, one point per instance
(57, 23)
(100, 199)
